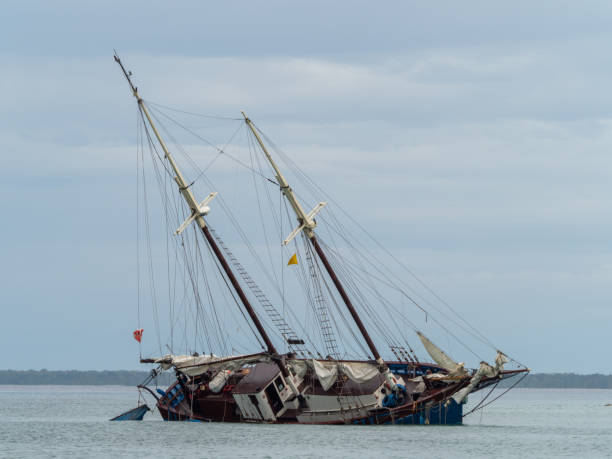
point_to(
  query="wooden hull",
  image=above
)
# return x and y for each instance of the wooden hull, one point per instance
(421, 413)
(344, 403)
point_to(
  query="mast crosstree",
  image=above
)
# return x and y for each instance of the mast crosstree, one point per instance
(307, 224)
(198, 212)
(295, 388)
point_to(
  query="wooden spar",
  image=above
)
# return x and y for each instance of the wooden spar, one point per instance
(198, 216)
(308, 224)
(345, 298)
(238, 288)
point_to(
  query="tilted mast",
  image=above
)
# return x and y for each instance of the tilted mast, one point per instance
(307, 224)
(198, 211)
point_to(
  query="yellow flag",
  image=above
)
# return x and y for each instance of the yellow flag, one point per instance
(293, 260)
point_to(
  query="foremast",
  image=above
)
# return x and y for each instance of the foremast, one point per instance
(198, 211)
(307, 224)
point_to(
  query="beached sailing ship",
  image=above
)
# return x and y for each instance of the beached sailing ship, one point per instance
(311, 379)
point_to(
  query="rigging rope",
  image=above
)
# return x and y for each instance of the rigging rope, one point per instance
(314, 186)
(346, 269)
(499, 396)
(193, 113)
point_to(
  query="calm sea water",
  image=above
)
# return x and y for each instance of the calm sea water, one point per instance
(72, 421)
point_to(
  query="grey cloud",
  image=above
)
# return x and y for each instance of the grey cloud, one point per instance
(472, 138)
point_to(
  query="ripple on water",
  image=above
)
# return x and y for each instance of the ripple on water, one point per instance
(62, 421)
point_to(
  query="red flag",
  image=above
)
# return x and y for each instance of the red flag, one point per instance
(138, 334)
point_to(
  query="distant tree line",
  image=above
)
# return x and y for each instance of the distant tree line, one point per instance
(78, 378)
(564, 381)
(133, 378)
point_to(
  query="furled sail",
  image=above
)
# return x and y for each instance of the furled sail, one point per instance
(177, 361)
(441, 358)
(485, 371)
(196, 365)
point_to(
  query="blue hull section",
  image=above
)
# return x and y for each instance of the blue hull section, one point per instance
(135, 414)
(436, 414)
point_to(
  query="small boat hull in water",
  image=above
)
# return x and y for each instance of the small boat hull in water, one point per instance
(135, 414)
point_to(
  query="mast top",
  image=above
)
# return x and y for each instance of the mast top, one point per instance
(127, 75)
(306, 220)
(198, 211)
(308, 224)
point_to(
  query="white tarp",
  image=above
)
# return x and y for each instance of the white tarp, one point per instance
(439, 356)
(327, 374)
(485, 371)
(359, 371)
(419, 384)
(217, 383)
(327, 371)
(299, 367)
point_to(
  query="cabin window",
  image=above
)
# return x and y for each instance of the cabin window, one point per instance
(273, 399)
(279, 384)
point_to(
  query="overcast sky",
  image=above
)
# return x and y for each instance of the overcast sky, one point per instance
(474, 137)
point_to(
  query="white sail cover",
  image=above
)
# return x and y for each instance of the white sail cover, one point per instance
(196, 365)
(217, 383)
(170, 360)
(327, 371)
(485, 371)
(439, 356)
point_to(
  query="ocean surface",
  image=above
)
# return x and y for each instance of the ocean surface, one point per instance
(72, 421)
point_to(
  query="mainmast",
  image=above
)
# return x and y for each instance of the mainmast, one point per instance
(307, 224)
(198, 211)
